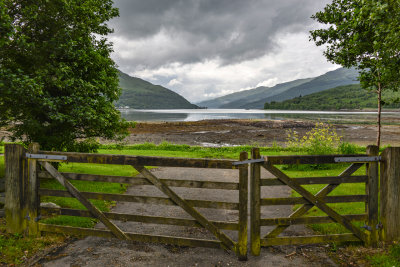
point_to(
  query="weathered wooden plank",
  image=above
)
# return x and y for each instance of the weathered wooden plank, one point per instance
(16, 184)
(306, 159)
(372, 190)
(300, 240)
(187, 207)
(93, 209)
(301, 200)
(143, 181)
(241, 250)
(255, 201)
(319, 180)
(322, 193)
(179, 241)
(33, 196)
(309, 220)
(143, 199)
(139, 218)
(318, 202)
(144, 160)
(390, 194)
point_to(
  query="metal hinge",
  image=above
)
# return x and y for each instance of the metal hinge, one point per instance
(46, 157)
(248, 161)
(357, 159)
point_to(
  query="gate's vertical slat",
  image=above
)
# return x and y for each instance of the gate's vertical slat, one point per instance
(255, 198)
(33, 193)
(372, 190)
(243, 202)
(16, 182)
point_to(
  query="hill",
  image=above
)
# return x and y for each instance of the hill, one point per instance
(342, 97)
(255, 98)
(140, 94)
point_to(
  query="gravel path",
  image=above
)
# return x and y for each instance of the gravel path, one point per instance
(93, 251)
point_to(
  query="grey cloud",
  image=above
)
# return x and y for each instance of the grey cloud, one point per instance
(229, 30)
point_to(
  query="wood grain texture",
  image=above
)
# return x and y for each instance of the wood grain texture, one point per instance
(390, 194)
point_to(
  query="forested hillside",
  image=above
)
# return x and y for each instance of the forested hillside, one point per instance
(342, 97)
(140, 94)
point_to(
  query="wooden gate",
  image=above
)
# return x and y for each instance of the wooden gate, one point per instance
(36, 158)
(309, 200)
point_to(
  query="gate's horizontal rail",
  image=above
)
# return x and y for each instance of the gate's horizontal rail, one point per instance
(300, 240)
(301, 200)
(302, 159)
(137, 180)
(180, 241)
(144, 160)
(139, 218)
(309, 220)
(319, 180)
(142, 199)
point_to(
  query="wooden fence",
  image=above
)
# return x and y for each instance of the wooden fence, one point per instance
(25, 168)
(35, 158)
(309, 200)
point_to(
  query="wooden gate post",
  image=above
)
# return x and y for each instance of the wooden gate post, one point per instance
(16, 183)
(255, 196)
(243, 202)
(372, 191)
(33, 192)
(390, 194)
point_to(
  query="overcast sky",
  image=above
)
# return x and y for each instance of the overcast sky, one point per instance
(203, 49)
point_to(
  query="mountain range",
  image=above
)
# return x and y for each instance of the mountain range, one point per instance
(257, 97)
(140, 94)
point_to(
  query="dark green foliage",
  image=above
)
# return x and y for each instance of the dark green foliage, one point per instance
(342, 97)
(139, 94)
(57, 80)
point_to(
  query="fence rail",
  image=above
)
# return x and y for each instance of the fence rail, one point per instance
(26, 168)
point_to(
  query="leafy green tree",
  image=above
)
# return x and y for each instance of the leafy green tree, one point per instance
(364, 34)
(57, 80)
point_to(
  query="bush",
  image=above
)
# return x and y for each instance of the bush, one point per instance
(320, 140)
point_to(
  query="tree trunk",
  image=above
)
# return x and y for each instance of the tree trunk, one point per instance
(378, 137)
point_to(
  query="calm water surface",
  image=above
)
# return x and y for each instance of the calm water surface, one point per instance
(212, 114)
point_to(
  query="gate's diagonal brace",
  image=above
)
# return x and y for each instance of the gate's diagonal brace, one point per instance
(92, 209)
(185, 206)
(321, 194)
(315, 201)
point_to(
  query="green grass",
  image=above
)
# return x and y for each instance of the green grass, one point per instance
(389, 259)
(2, 168)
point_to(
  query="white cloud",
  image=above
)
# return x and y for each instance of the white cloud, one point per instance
(204, 49)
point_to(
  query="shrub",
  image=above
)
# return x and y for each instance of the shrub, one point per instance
(322, 139)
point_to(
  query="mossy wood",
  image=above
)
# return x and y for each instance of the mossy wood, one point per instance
(241, 249)
(372, 190)
(33, 196)
(16, 185)
(390, 194)
(255, 199)
(138, 218)
(179, 241)
(302, 200)
(306, 159)
(142, 199)
(138, 180)
(144, 160)
(319, 180)
(302, 240)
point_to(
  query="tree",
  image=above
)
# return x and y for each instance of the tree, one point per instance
(364, 34)
(57, 80)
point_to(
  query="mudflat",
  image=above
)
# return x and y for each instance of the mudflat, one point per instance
(250, 132)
